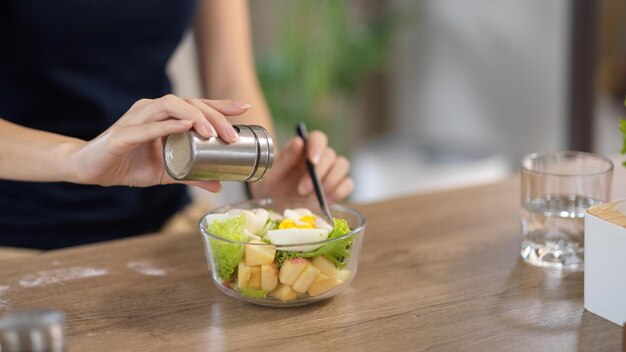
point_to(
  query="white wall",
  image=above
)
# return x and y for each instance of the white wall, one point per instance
(490, 73)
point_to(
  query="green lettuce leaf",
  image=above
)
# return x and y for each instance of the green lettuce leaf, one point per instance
(226, 256)
(336, 251)
(269, 225)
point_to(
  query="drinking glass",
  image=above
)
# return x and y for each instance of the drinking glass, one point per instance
(557, 189)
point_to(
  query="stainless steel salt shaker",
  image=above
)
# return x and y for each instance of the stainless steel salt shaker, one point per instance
(189, 156)
(32, 330)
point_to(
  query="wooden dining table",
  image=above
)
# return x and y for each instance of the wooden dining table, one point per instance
(437, 272)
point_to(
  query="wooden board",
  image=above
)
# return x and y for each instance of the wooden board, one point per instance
(609, 212)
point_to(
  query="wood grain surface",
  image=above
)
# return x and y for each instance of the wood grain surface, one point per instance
(609, 212)
(438, 272)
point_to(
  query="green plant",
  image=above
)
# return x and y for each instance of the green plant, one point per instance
(321, 57)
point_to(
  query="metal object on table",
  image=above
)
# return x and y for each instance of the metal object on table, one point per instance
(188, 156)
(41, 330)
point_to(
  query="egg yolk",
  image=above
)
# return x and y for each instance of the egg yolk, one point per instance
(305, 222)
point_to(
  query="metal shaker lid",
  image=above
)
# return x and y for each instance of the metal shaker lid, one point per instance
(265, 152)
(179, 154)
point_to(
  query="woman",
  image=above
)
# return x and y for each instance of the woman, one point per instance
(85, 102)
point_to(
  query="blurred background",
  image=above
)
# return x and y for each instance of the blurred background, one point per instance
(433, 94)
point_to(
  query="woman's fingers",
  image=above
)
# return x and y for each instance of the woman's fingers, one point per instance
(139, 104)
(326, 161)
(217, 120)
(321, 156)
(227, 107)
(288, 159)
(124, 138)
(316, 144)
(342, 191)
(289, 170)
(336, 174)
(207, 115)
(170, 106)
(211, 186)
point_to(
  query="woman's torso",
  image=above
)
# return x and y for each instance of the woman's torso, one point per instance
(74, 68)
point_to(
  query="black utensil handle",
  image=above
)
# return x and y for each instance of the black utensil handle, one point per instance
(301, 130)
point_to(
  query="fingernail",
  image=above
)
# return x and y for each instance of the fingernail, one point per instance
(232, 134)
(241, 105)
(315, 158)
(305, 187)
(210, 130)
(301, 189)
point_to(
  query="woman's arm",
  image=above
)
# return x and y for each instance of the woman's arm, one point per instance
(128, 153)
(32, 155)
(222, 31)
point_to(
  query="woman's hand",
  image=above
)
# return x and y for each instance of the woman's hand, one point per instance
(130, 151)
(288, 176)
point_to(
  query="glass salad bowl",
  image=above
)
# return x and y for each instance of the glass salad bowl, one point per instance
(279, 252)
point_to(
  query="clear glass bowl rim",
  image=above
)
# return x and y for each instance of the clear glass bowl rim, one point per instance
(220, 210)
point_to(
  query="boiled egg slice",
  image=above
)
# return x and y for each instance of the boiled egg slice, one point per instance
(322, 224)
(297, 236)
(257, 221)
(255, 218)
(303, 211)
(250, 235)
(299, 218)
(303, 218)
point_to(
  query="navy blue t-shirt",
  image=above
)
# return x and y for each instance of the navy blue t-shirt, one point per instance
(74, 67)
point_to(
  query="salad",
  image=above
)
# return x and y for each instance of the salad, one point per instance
(277, 259)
